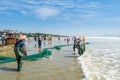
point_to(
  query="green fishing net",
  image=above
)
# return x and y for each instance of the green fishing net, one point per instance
(45, 53)
(4, 59)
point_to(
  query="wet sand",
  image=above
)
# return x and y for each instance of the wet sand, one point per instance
(62, 65)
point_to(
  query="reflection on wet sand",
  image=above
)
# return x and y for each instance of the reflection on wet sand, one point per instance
(18, 76)
(8, 69)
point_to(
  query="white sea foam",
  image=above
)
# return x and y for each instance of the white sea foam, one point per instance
(101, 61)
(104, 37)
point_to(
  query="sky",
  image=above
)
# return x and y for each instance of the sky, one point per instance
(63, 17)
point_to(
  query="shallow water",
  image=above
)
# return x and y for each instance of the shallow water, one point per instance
(62, 65)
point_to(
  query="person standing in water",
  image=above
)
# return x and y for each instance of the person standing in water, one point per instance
(35, 38)
(39, 43)
(68, 40)
(81, 45)
(74, 43)
(20, 51)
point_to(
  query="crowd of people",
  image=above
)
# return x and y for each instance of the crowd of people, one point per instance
(79, 45)
(20, 47)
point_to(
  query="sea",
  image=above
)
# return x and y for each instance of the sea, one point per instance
(101, 60)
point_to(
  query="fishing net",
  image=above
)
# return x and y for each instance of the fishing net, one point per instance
(87, 43)
(58, 47)
(45, 53)
(4, 59)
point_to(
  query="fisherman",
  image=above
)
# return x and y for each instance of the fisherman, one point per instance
(59, 38)
(79, 43)
(20, 51)
(68, 40)
(3, 40)
(83, 41)
(74, 43)
(39, 43)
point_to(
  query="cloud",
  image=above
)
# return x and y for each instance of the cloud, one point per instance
(24, 12)
(49, 2)
(46, 12)
(111, 19)
(12, 6)
(46, 9)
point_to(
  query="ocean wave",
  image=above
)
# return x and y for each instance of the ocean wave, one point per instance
(101, 61)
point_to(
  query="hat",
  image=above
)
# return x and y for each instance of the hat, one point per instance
(22, 37)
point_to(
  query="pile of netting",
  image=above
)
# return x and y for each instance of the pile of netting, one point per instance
(45, 53)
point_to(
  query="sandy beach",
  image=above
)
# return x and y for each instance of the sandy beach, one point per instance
(62, 65)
